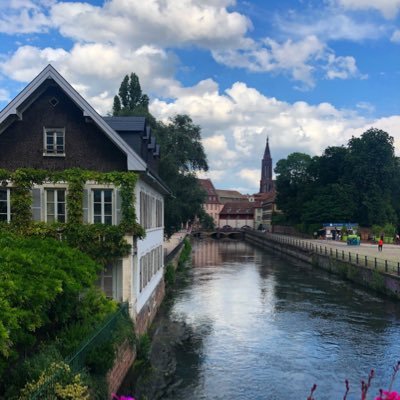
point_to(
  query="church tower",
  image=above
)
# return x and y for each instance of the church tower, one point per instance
(266, 183)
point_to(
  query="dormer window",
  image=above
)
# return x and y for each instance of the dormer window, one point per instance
(54, 142)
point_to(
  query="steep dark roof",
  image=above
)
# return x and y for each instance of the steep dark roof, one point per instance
(132, 124)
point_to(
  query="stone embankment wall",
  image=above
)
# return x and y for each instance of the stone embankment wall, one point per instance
(352, 269)
(126, 355)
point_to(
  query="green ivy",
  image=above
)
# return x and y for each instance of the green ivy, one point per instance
(101, 242)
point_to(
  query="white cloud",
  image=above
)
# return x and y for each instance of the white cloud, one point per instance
(330, 25)
(159, 22)
(388, 8)
(4, 95)
(24, 16)
(396, 36)
(341, 67)
(301, 60)
(252, 176)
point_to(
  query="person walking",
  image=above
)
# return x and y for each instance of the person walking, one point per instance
(380, 244)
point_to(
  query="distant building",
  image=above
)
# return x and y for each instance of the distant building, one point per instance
(229, 196)
(236, 215)
(212, 206)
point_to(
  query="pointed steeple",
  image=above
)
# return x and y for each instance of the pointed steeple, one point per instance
(266, 183)
(267, 153)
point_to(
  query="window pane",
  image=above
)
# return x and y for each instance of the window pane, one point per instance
(50, 208)
(61, 218)
(107, 196)
(97, 219)
(3, 207)
(107, 209)
(50, 196)
(97, 196)
(3, 195)
(61, 195)
(61, 208)
(108, 220)
(97, 209)
(50, 218)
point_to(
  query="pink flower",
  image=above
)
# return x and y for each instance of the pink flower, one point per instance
(115, 397)
(388, 396)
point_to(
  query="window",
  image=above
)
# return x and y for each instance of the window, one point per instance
(102, 206)
(151, 211)
(54, 141)
(110, 280)
(5, 209)
(55, 205)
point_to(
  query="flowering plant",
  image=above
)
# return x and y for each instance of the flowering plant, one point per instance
(383, 394)
(115, 397)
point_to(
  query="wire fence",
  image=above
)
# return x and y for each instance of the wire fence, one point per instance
(76, 361)
(379, 264)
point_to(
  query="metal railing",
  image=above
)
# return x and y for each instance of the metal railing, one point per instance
(381, 265)
(77, 361)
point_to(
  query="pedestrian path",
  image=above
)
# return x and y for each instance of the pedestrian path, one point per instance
(174, 241)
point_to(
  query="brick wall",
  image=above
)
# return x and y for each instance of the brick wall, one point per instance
(126, 355)
(149, 310)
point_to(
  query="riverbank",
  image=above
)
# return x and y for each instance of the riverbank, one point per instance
(360, 264)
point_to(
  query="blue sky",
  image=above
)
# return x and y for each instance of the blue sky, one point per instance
(307, 74)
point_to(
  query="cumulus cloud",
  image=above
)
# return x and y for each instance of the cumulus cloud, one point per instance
(24, 16)
(236, 134)
(301, 59)
(206, 24)
(4, 95)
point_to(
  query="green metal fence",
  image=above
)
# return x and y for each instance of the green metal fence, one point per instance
(77, 361)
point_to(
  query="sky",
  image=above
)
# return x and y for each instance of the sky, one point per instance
(306, 74)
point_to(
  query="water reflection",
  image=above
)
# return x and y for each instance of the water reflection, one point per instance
(269, 329)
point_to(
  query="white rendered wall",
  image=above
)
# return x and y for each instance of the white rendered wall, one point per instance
(154, 238)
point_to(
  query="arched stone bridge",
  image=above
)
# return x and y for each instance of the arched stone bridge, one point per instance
(220, 234)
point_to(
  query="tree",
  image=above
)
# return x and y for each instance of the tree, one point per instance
(182, 154)
(130, 99)
(371, 168)
(292, 184)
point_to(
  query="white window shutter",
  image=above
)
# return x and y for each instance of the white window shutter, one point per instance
(118, 205)
(36, 205)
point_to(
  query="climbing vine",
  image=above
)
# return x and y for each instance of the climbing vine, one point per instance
(103, 243)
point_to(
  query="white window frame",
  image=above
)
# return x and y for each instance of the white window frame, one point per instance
(113, 205)
(55, 189)
(8, 203)
(54, 131)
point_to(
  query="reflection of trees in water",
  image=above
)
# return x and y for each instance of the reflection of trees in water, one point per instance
(324, 296)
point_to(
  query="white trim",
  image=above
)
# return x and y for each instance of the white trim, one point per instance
(55, 189)
(134, 162)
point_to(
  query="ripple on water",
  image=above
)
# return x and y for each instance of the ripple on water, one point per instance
(262, 328)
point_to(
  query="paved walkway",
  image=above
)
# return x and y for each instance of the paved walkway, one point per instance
(390, 251)
(173, 242)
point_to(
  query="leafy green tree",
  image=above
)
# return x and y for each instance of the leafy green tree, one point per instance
(371, 169)
(182, 154)
(292, 183)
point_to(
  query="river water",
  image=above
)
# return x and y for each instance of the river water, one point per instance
(261, 327)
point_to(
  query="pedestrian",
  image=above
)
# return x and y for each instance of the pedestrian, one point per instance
(380, 244)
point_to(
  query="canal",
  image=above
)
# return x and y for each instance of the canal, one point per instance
(261, 327)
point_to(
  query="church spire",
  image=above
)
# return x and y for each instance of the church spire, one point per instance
(266, 183)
